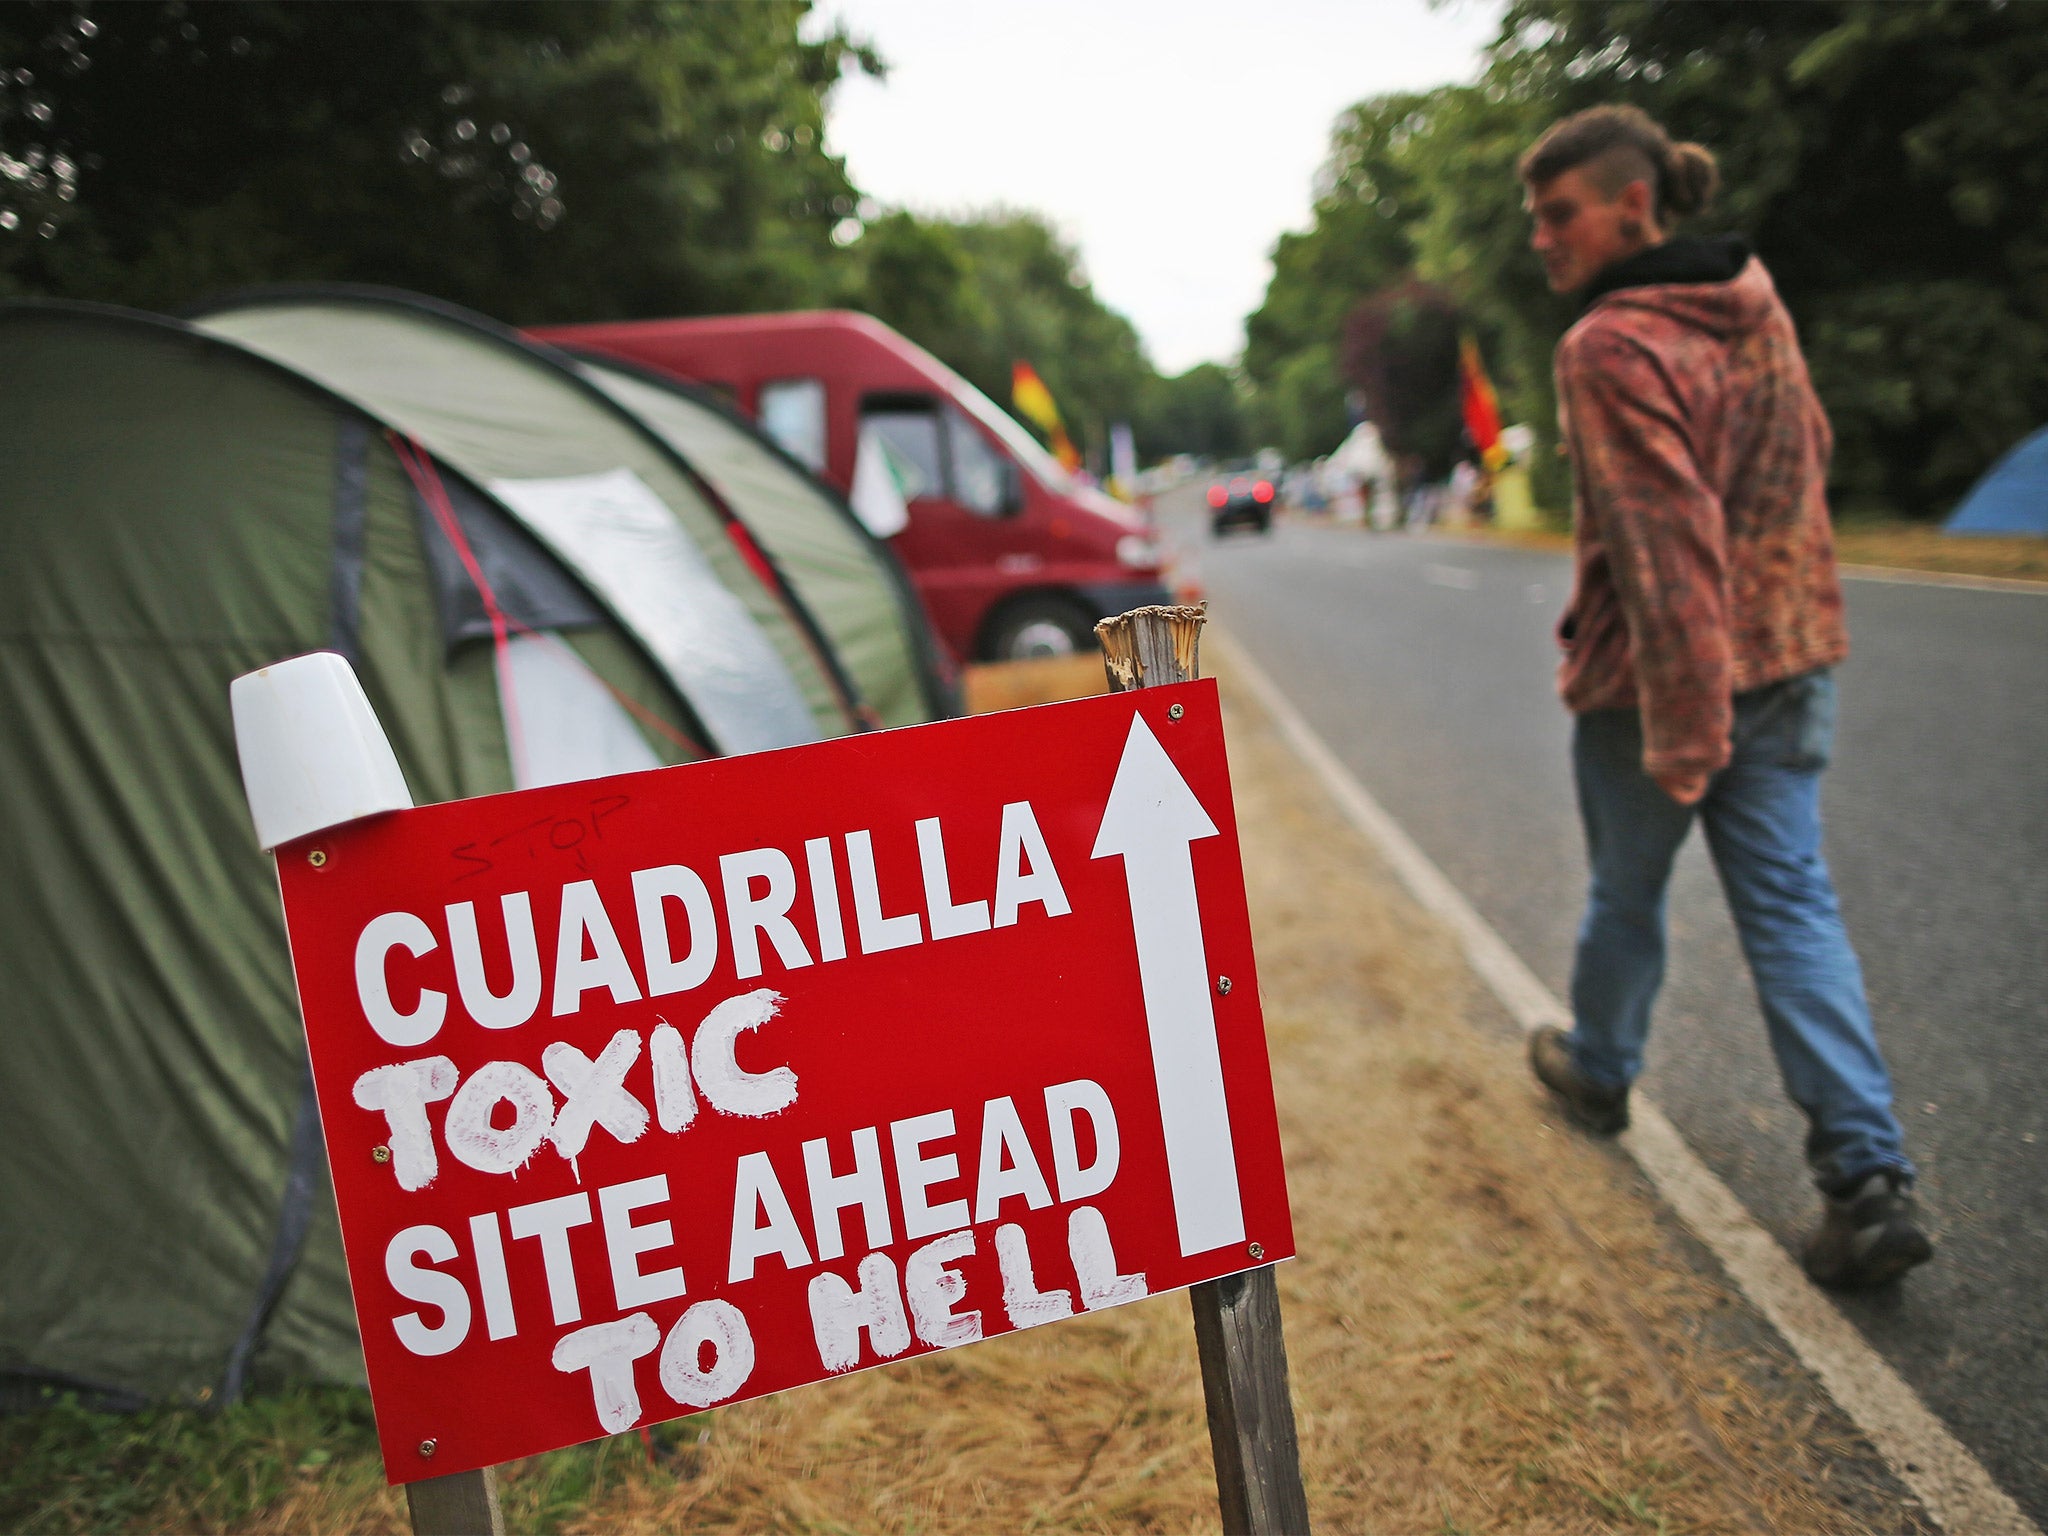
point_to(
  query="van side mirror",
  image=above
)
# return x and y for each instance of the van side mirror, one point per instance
(1013, 488)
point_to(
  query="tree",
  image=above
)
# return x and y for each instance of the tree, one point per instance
(1047, 313)
(534, 160)
(1401, 352)
(1364, 208)
(1197, 412)
(1359, 242)
(1888, 163)
(917, 276)
(984, 292)
(1300, 409)
(1886, 160)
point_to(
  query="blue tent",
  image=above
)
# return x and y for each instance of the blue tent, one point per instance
(2013, 495)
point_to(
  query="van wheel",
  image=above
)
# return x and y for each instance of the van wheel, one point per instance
(1040, 626)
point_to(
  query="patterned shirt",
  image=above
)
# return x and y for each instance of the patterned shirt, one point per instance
(1705, 564)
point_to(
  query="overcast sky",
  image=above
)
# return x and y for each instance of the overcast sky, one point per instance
(1172, 141)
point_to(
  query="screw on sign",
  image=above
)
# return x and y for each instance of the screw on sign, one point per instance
(800, 1063)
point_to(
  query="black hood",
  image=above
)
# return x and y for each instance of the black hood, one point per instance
(1687, 259)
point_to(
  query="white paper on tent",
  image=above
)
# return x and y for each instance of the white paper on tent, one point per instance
(884, 483)
(561, 722)
(622, 539)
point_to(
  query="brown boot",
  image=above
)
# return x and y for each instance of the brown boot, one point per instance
(1603, 1111)
(1868, 1237)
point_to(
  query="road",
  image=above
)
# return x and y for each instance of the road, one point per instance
(1426, 664)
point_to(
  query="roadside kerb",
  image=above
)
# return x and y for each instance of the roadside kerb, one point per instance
(1956, 1490)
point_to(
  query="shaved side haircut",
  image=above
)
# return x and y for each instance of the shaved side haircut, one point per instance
(1616, 145)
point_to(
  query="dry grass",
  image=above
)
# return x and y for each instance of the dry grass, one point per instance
(1488, 1328)
(1916, 547)
(1014, 684)
(1886, 545)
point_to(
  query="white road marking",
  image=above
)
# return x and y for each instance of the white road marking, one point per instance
(1956, 1490)
(1455, 576)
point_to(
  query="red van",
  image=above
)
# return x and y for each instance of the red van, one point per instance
(1012, 556)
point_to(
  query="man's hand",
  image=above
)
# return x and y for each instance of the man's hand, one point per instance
(1685, 788)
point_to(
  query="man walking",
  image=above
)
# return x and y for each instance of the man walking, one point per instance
(1705, 616)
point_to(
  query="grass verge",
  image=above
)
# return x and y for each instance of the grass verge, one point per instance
(1886, 545)
(1917, 547)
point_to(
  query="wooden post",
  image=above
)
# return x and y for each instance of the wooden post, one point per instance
(461, 1504)
(314, 756)
(1251, 1415)
(1237, 1318)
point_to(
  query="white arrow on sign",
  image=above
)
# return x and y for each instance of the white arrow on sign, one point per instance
(1151, 818)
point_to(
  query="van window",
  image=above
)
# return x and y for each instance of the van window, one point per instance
(911, 429)
(1024, 448)
(977, 468)
(793, 413)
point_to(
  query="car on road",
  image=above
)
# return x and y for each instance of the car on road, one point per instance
(1241, 498)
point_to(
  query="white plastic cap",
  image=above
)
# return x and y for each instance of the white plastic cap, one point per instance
(313, 753)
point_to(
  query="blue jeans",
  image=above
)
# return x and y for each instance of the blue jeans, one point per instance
(1762, 819)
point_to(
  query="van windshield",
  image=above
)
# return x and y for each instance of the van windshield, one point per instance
(1022, 445)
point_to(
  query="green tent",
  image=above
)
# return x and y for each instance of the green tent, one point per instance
(523, 419)
(849, 578)
(181, 509)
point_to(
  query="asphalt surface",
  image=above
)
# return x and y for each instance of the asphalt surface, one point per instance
(1427, 665)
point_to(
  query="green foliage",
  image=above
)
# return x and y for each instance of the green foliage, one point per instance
(1196, 412)
(1301, 409)
(1887, 160)
(544, 160)
(274, 1460)
(1414, 184)
(985, 292)
(1360, 243)
(916, 275)
(532, 159)
(1927, 384)
(66, 1468)
(1047, 312)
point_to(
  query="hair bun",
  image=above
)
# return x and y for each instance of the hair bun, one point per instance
(1623, 143)
(1691, 178)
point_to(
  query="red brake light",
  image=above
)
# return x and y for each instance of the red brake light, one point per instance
(1263, 491)
(1217, 496)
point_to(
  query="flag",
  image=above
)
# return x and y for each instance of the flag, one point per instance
(1123, 460)
(1029, 394)
(883, 485)
(1480, 404)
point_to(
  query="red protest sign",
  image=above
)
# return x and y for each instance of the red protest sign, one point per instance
(651, 1093)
